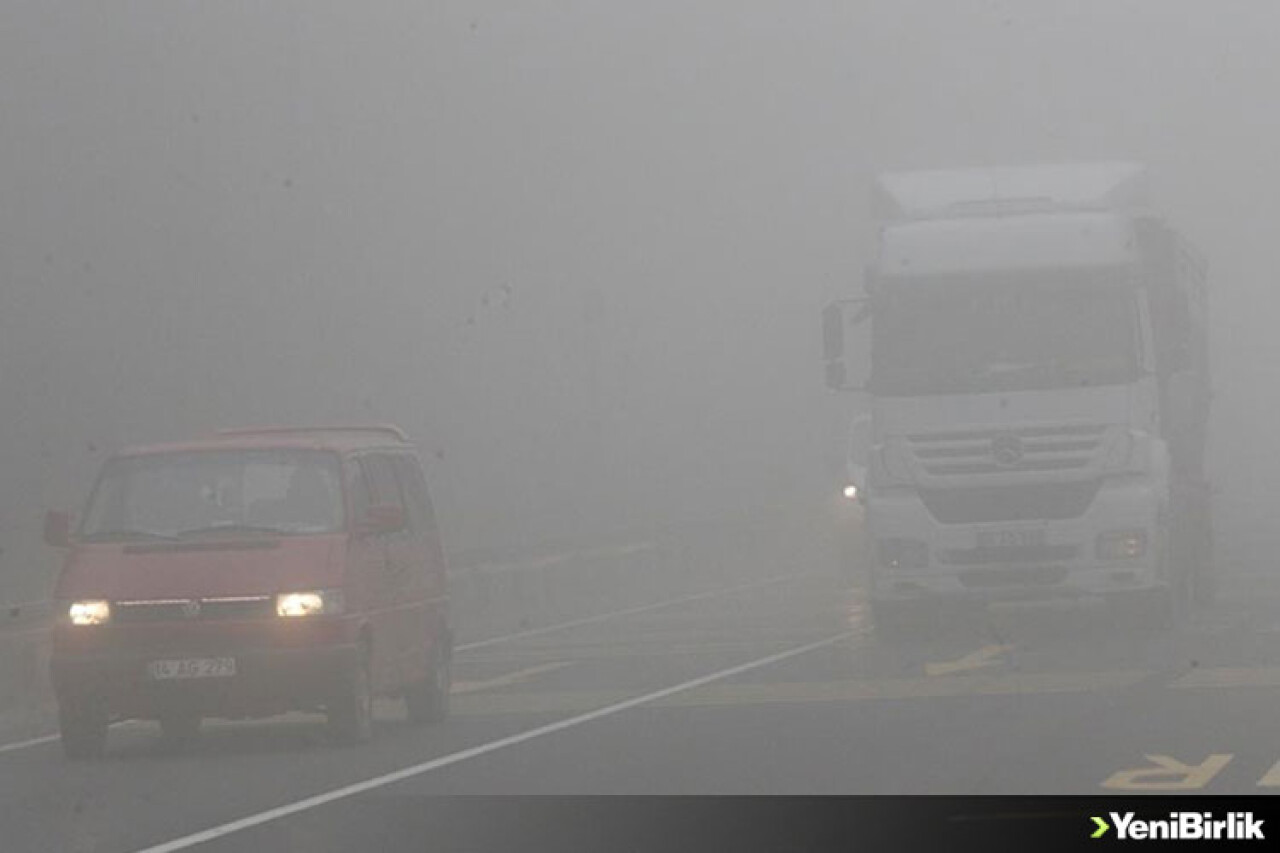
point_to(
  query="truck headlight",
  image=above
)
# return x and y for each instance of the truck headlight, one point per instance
(1121, 544)
(315, 603)
(91, 612)
(1132, 452)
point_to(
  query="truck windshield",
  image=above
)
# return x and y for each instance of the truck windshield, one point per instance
(1008, 333)
(180, 495)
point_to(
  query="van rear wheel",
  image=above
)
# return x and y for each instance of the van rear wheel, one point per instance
(82, 725)
(428, 700)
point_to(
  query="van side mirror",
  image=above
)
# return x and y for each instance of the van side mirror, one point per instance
(380, 519)
(57, 528)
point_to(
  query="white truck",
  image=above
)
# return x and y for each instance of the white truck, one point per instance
(1033, 350)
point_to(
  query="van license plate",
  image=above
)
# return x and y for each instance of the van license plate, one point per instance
(192, 668)
(1010, 538)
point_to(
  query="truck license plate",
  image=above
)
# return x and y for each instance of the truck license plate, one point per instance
(1010, 538)
(192, 668)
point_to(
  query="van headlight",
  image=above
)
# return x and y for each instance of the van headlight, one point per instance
(89, 612)
(323, 601)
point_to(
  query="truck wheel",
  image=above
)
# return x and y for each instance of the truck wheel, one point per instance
(350, 714)
(428, 700)
(82, 725)
(180, 727)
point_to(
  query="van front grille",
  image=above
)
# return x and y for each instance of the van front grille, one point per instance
(198, 609)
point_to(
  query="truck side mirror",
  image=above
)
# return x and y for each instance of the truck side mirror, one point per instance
(870, 280)
(838, 360)
(833, 333)
(57, 528)
(836, 375)
(855, 487)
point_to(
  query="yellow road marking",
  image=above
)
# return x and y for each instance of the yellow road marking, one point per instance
(983, 657)
(538, 702)
(1272, 779)
(1230, 676)
(1168, 774)
(508, 679)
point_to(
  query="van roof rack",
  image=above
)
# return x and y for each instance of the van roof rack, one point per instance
(389, 429)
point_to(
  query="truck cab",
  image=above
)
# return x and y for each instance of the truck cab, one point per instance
(1036, 371)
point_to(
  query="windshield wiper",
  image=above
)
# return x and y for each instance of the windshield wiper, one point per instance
(231, 527)
(118, 535)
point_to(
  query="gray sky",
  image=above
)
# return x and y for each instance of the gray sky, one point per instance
(218, 213)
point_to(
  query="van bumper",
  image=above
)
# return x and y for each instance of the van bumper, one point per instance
(266, 681)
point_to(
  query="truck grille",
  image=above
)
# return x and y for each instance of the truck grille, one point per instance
(996, 556)
(1064, 447)
(1039, 576)
(187, 610)
(1022, 502)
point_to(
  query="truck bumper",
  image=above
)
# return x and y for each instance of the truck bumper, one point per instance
(996, 561)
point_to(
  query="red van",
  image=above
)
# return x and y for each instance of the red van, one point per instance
(249, 574)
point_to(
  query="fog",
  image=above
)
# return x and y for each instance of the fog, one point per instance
(577, 250)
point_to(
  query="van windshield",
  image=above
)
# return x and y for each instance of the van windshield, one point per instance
(178, 495)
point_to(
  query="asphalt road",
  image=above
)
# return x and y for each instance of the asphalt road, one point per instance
(772, 687)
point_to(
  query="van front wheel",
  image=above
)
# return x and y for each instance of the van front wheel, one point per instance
(82, 725)
(350, 714)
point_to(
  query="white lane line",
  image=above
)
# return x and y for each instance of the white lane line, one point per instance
(24, 744)
(614, 614)
(546, 629)
(476, 751)
(43, 739)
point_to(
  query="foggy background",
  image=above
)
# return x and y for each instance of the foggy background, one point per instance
(577, 249)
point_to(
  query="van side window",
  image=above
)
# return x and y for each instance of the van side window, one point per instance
(361, 499)
(417, 498)
(380, 471)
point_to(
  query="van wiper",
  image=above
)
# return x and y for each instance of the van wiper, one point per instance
(230, 527)
(125, 535)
